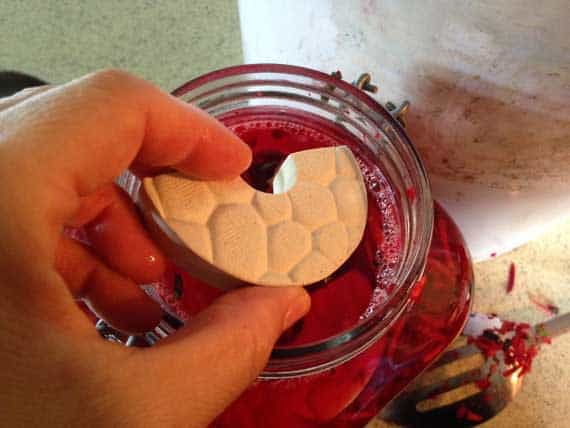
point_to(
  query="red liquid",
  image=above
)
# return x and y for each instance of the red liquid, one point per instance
(352, 393)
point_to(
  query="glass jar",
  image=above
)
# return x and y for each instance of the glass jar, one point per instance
(412, 270)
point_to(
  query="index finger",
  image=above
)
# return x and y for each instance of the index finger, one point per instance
(91, 129)
(70, 140)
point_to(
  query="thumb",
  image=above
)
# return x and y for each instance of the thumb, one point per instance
(214, 358)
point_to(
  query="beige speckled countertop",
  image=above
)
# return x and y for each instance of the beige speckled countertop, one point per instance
(167, 42)
(543, 267)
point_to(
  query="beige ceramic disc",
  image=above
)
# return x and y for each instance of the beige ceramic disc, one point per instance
(227, 233)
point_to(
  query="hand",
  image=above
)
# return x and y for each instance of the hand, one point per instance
(60, 150)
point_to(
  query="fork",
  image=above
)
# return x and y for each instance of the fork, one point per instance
(403, 409)
(502, 380)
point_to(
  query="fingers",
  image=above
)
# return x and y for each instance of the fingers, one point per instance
(75, 138)
(22, 96)
(209, 159)
(95, 127)
(117, 299)
(119, 238)
(111, 225)
(92, 205)
(223, 350)
(201, 147)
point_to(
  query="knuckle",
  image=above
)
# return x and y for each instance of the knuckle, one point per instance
(117, 93)
(117, 84)
(112, 76)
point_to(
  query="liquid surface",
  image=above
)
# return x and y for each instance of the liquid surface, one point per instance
(351, 394)
(364, 280)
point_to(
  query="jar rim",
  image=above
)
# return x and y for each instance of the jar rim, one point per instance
(344, 342)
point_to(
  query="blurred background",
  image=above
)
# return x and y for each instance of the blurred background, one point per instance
(167, 42)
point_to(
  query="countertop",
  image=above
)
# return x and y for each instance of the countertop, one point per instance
(167, 42)
(543, 268)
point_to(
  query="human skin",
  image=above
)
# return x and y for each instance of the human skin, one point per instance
(60, 150)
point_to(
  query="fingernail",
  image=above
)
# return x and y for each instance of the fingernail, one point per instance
(298, 307)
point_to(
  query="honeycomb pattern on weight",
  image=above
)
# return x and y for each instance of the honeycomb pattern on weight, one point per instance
(297, 237)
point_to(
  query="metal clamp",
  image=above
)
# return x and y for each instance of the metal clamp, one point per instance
(364, 83)
(399, 113)
(167, 325)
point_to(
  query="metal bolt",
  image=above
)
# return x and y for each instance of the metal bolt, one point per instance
(364, 82)
(403, 109)
(337, 74)
(398, 113)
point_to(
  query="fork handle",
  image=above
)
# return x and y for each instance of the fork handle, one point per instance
(555, 326)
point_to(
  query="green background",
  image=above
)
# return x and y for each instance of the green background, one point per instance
(167, 42)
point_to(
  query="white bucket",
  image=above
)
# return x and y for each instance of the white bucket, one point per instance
(489, 83)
